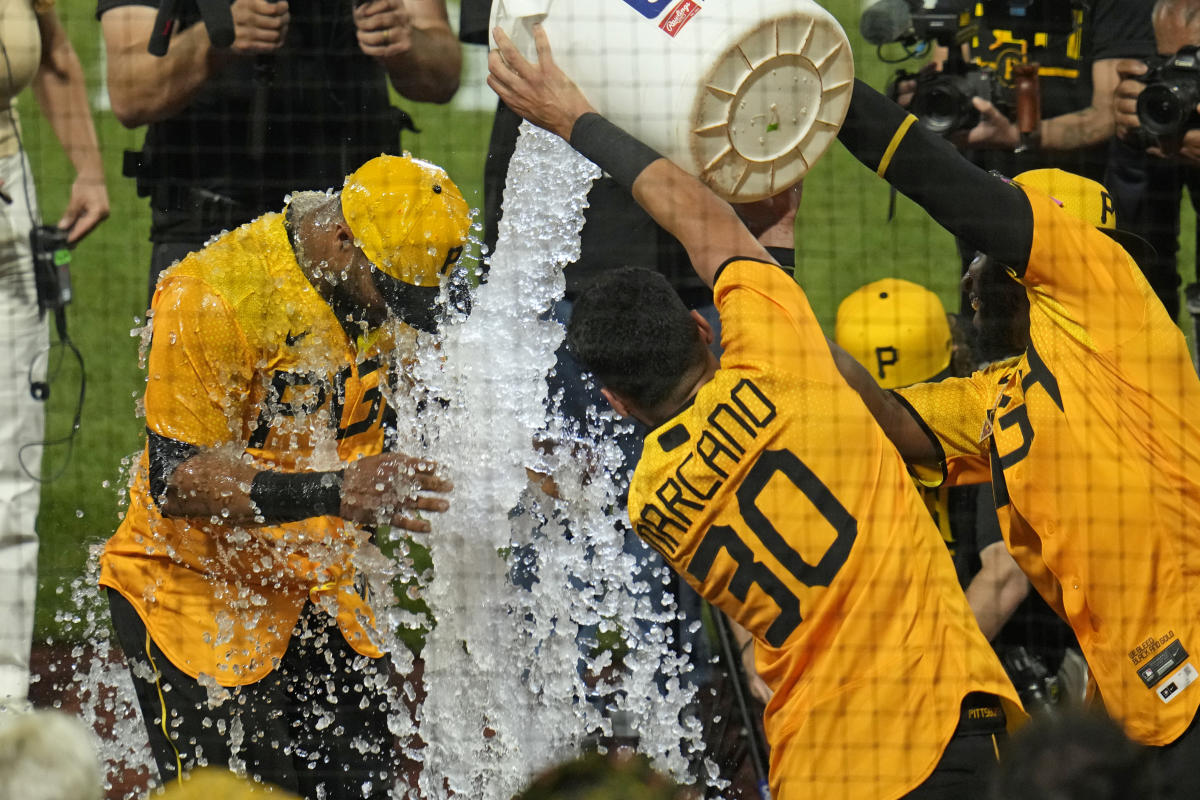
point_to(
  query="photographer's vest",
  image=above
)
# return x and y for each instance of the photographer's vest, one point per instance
(324, 110)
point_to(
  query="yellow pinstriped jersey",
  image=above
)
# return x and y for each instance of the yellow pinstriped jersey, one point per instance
(245, 354)
(777, 497)
(1092, 442)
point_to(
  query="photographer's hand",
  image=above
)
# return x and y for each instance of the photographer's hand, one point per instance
(415, 43)
(1126, 95)
(994, 131)
(259, 26)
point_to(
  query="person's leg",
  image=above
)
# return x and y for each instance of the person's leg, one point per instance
(338, 713)
(969, 761)
(189, 726)
(23, 342)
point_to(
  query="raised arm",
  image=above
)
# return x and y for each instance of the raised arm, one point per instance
(992, 215)
(707, 227)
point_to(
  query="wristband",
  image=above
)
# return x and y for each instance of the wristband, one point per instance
(292, 496)
(611, 149)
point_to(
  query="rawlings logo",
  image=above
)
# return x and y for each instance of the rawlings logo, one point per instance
(678, 16)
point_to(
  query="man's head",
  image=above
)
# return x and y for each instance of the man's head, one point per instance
(630, 329)
(1176, 25)
(1001, 308)
(896, 329)
(391, 243)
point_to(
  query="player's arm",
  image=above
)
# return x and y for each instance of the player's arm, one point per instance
(219, 482)
(993, 216)
(997, 589)
(705, 225)
(144, 88)
(907, 435)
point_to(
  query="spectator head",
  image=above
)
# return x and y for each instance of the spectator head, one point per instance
(1176, 25)
(604, 777)
(630, 329)
(898, 330)
(48, 755)
(1073, 755)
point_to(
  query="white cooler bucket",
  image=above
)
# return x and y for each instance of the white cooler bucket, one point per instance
(745, 94)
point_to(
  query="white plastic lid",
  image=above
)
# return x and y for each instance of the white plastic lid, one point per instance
(772, 105)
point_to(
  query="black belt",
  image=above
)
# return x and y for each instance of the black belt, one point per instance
(981, 713)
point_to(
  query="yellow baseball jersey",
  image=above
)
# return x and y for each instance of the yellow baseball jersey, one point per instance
(1091, 442)
(246, 355)
(779, 499)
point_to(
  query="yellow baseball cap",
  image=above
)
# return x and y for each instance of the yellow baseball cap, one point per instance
(897, 329)
(409, 218)
(1088, 201)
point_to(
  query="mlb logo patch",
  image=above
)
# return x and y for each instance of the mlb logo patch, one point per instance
(650, 9)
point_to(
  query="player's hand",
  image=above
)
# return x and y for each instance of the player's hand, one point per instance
(541, 93)
(1126, 94)
(994, 129)
(259, 26)
(384, 28)
(773, 220)
(390, 488)
(86, 208)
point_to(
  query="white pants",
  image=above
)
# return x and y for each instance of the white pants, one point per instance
(23, 339)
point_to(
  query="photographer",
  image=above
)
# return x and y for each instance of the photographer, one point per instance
(1149, 174)
(297, 101)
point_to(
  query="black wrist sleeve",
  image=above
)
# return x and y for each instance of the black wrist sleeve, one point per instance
(293, 496)
(611, 149)
(990, 214)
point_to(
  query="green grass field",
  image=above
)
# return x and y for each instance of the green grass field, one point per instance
(843, 241)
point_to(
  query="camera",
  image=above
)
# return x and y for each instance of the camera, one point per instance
(1166, 108)
(942, 100)
(51, 267)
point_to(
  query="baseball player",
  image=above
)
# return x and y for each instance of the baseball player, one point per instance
(766, 483)
(232, 578)
(1089, 438)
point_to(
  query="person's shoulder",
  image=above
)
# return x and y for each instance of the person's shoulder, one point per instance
(743, 269)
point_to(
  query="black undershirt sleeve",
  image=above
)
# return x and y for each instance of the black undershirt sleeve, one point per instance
(165, 455)
(992, 215)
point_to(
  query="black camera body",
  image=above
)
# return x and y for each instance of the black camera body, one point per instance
(51, 267)
(1166, 108)
(943, 103)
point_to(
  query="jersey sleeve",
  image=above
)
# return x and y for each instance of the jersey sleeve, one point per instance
(766, 318)
(954, 412)
(199, 367)
(1082, 281)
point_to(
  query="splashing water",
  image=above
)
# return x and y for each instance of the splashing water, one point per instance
(506, 693)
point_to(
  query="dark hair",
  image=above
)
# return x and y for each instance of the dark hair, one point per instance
(599, 777)
(631, 330)
(1074, 755)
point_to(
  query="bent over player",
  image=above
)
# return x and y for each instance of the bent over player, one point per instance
(1090, 438)
(233, 579)
(766, 483)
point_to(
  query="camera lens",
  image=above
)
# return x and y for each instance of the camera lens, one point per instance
(942, 106)
(1161, 110)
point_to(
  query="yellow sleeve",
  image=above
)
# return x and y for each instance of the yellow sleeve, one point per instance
(955, 414)
(199, 367)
